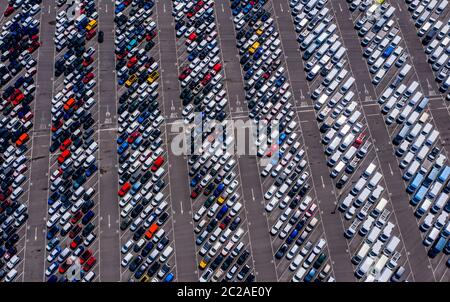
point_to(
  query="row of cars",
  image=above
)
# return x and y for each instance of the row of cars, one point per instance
(19, 41)
(431, 18)
(423, 162)
(420, 155)
(147, 248)
(377, 254)
(383, 45)
(220, 225)
(340, 117)
(294, 213)
(71, 219)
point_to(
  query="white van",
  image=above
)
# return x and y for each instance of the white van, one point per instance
(391, 245)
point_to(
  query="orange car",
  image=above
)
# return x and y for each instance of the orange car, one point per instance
(23, 138)
(69, 104)
(151, 230)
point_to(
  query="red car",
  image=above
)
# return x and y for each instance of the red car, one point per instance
(65, 144)
(186, 71)
(64, 267)
(359, 140)
(85, 256)
(76, 242)
(88, 77)
(74, 232)
(18, 99)
(196, 192)
(120, 56)
(217, 67)
(63, 156)
(33, 46)
(56, 125)
(133, 137)
(90, 34)
(89, 264)
(28, 116)
(124, 189)
(206, 79)
(192, 36)
(132, 62)
(157, 163)
(9, 10)
(87, 62)
(76, 217)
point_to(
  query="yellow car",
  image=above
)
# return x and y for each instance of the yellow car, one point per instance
(221, 199)
(202, 264)
(92, 24)
(131, 80)
(145, 278)
(152, 77)
(253, 48)
(259, 31)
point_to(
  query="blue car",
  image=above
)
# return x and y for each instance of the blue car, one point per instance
(248, 74)
(119, 8)
(53, 198)
(282, 138)
(169, 278)
(310, 275)
(280, 81)
(247, 8)
(220, 188)
(52, 232)
(195, 180)
(237, 10)
(143, 116)
(52, 279)
(91, 170)
(138, 141)
(292, 236)
(122, 138)
(192, 55)
(148, 5)
(122, 147)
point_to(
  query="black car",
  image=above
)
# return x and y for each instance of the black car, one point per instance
(100, 36)
(281, 251)
(153, 269)
(135, 263)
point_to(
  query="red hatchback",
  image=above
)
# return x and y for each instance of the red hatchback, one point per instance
(89, 264)
(359, 140)
(124, 189)
(65, 144)
(133, 137)
(157, 163)
(64, 267)
(85, 256)
(76, 217)
(9, 10)
(88, 77)
(132, 62)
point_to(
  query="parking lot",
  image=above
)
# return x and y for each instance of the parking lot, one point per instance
(114, 166)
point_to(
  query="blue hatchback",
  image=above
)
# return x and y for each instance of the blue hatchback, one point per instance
(122, 147)
(169, 278)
